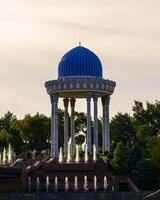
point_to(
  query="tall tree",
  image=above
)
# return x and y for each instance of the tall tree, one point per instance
(143, 172)
(7, 132)
(155, 153)
(6, 121)
(5, 138)
(143, 134)
(34, 129)
(149, 116)
(135, 155)
(119, 161)
(122, 128)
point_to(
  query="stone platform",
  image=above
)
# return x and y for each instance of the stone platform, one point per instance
(15, 178)
(52, 168)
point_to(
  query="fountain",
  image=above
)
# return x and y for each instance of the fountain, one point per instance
(69, 151)
(95, 183)
(105, 183)
(113, 188)
(47, 184)
(75, 183)
(66, 184)
(86, 154)
(94, 153)
(85, 183)
(60, 155)
(29, 184)
(9, 154)
(4, 156)
(37, 184)
(56, 183)
(77, 154)
(84, 144)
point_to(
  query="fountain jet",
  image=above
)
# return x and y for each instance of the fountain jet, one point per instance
(105, 183)
(85, 183)
(95, 183)
(75, 183)
(56, 183)
(77, 154)
(4, 156)
(47, 184)
(94, 153)
(60, 155)
(86, 154)
(69, 151)
(9, 154)
(66, 184)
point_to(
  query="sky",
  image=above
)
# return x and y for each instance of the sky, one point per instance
(35, 34)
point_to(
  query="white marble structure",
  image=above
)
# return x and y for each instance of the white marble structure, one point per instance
(80, 76)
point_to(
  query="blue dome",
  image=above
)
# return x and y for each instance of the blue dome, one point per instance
(80, 61)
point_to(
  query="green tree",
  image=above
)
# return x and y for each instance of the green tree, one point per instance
(143, 172)
(5, 138)
(155, 154)
(135, 155)
(80, 122)
(6, 121)
(34, 129)
(8, 133)
(143, 134)
(149, 116)
(122, 128)
(119, 161)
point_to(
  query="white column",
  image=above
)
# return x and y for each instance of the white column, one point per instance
(66, 101)
(54, 125)
(88, 98)
(106, 129)
(107, 124)
(72, 101)
(95, 139)
(103, 124)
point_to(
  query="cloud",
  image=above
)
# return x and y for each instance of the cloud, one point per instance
(34, 35)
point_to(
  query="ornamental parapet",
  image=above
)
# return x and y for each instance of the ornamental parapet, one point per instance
(64, 85)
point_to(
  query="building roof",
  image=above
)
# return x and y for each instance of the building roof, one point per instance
(80, 62)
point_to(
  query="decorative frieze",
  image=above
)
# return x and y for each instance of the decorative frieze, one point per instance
(80, 84)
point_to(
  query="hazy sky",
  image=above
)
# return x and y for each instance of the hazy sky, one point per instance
(34, 35)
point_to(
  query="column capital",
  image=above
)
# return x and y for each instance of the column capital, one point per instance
(54, 98)
(106, 100)
(66, 102)
(95, 97)
(88, 96)
(72, 101)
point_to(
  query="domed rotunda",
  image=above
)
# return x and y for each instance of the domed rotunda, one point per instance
(80, 75)
(80, 61)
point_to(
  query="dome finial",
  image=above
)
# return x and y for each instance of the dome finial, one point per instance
(79, 43)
